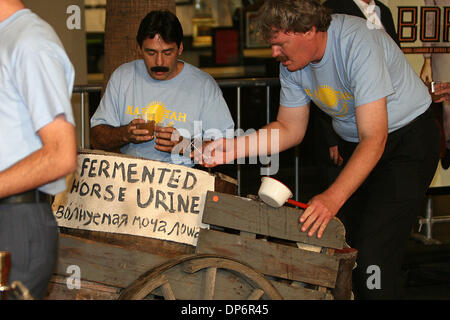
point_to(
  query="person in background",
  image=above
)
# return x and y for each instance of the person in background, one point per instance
(37, 138)
(375, 12)
(442, 92)
(179, 94)
(436, 67)
(388, 137)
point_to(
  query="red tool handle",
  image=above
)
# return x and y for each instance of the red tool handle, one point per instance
(298, 204)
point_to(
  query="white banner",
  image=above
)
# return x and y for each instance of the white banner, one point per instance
(132, 196)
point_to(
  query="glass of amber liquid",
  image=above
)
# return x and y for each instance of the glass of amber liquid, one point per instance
(148, 124)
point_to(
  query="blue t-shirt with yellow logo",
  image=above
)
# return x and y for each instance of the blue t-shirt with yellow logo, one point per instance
(361, 64)
(191, 102)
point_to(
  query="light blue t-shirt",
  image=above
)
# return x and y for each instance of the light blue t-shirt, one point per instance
(36, 81)
(191, 102)
(360, 65)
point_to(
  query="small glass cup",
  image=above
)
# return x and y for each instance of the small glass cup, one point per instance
(148, 124)
(431, 89)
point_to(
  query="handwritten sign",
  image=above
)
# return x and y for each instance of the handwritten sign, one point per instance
(126, 195)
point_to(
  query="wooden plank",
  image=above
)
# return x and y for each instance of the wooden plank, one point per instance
(247, 235)
(271, 258)
(328, 252)
(168, 249)
(210, 283)
(58, 290)
(103, 263)
(109, 265)
(255, 216)
(347, 259)
(289, 292)
(119, 267)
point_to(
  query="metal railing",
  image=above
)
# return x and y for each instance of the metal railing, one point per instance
(239, 84)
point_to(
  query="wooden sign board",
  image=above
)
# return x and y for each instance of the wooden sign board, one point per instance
(121, 194)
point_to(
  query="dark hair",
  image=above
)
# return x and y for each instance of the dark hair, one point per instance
(292, 15)
(162, 22)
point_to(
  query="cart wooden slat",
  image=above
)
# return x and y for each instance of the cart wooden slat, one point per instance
(270, 240)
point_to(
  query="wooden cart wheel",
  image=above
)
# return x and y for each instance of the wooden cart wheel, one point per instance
(163, 280)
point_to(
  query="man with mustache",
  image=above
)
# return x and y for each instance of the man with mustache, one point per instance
(185, 100)
(380, 109)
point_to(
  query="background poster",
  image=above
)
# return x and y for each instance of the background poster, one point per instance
(423, 26)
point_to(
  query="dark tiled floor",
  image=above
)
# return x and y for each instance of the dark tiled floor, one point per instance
(427, 266)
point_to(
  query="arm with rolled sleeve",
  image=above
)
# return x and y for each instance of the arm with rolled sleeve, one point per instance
(107, 132)
(370, 90)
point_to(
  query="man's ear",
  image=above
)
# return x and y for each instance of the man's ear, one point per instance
(180, 49)
(310, 33)
(139, 51)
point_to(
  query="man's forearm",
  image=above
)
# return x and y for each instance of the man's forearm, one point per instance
(361, 163)
(105, 137)
(32, 172)
(286, 131)
(56, 158)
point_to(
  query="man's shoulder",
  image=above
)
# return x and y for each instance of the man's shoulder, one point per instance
(32, 33)
(127, 69)
(195, 71)
(348, 33)
(348, 24)
(129, 66)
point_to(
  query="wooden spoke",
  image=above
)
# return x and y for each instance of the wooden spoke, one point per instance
(167, 291)
(163, 277)
(246, 272)
(149, 286)
(210, 283)
(256, 294)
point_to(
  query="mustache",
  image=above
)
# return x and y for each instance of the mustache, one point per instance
(281, 58)
(159, 69)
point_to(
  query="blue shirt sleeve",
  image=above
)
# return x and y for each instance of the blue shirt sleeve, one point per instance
(292, 93)
(41, 81)
(367, 69)
(108, 110)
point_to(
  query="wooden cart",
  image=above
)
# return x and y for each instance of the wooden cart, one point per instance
(250, 251)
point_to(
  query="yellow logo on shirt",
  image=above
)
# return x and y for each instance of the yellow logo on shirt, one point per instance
(162, 114)
(331, 101)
